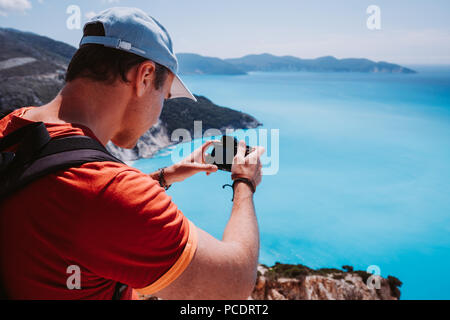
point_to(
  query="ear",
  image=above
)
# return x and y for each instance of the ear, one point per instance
(145, 75)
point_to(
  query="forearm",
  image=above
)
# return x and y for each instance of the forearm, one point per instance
(242, 228)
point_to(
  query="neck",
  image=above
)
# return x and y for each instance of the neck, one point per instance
(95, 105)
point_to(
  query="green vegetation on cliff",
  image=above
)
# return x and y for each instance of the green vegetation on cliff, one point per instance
(299, 271)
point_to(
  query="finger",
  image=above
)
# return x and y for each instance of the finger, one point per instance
(260, 151)
(207, 144)
(214, 169)
(204, 167)
(240, 154)
(253, 157)
(205, 147)
(198, 154)
(211, 168)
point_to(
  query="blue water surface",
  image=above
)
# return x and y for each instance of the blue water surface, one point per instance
(364, 173)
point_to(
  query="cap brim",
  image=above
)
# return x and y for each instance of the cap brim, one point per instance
(179, 90)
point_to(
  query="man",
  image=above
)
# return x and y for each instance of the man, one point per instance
(112, 222)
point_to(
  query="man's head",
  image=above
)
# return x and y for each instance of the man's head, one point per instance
(146, 82)
(100, 63)
(127, 51)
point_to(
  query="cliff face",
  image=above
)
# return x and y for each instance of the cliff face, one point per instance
(148, 144)
(332, 286)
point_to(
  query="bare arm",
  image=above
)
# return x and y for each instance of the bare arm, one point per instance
(225, 269)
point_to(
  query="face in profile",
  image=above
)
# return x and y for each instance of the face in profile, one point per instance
(142, 113)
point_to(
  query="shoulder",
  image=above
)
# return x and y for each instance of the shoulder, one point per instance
(6, 115)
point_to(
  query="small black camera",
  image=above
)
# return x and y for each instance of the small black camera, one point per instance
(223, 153)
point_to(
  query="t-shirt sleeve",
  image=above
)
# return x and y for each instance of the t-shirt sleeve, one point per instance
(135, 234)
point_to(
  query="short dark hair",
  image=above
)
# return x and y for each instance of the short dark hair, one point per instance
(105, 64)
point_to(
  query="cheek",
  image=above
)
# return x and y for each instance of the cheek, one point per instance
(156, 109)
(152, 116)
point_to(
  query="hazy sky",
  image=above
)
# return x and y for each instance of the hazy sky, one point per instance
(412, 31)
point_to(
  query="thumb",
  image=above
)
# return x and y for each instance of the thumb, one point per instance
(213, 168)
(204, 167)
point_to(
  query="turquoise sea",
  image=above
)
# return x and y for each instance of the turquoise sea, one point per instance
(364, 172)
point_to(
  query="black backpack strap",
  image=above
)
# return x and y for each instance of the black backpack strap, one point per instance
(57, 154)
(118, 291)
(31, 138)
(33, 131)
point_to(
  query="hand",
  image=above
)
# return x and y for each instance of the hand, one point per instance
(248, 167)
(192, 164)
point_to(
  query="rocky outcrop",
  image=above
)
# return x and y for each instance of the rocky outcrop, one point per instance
(335, 285)
(149, 143)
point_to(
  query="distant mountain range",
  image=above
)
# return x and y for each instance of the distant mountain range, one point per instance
(44, 54)
(191, 63)
(197, 64)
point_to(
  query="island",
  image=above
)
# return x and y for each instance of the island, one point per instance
(265, 62)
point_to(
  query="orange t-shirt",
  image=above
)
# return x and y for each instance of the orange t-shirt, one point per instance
(112, 221)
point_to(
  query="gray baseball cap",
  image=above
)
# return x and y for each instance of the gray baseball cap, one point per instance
(134, 31)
